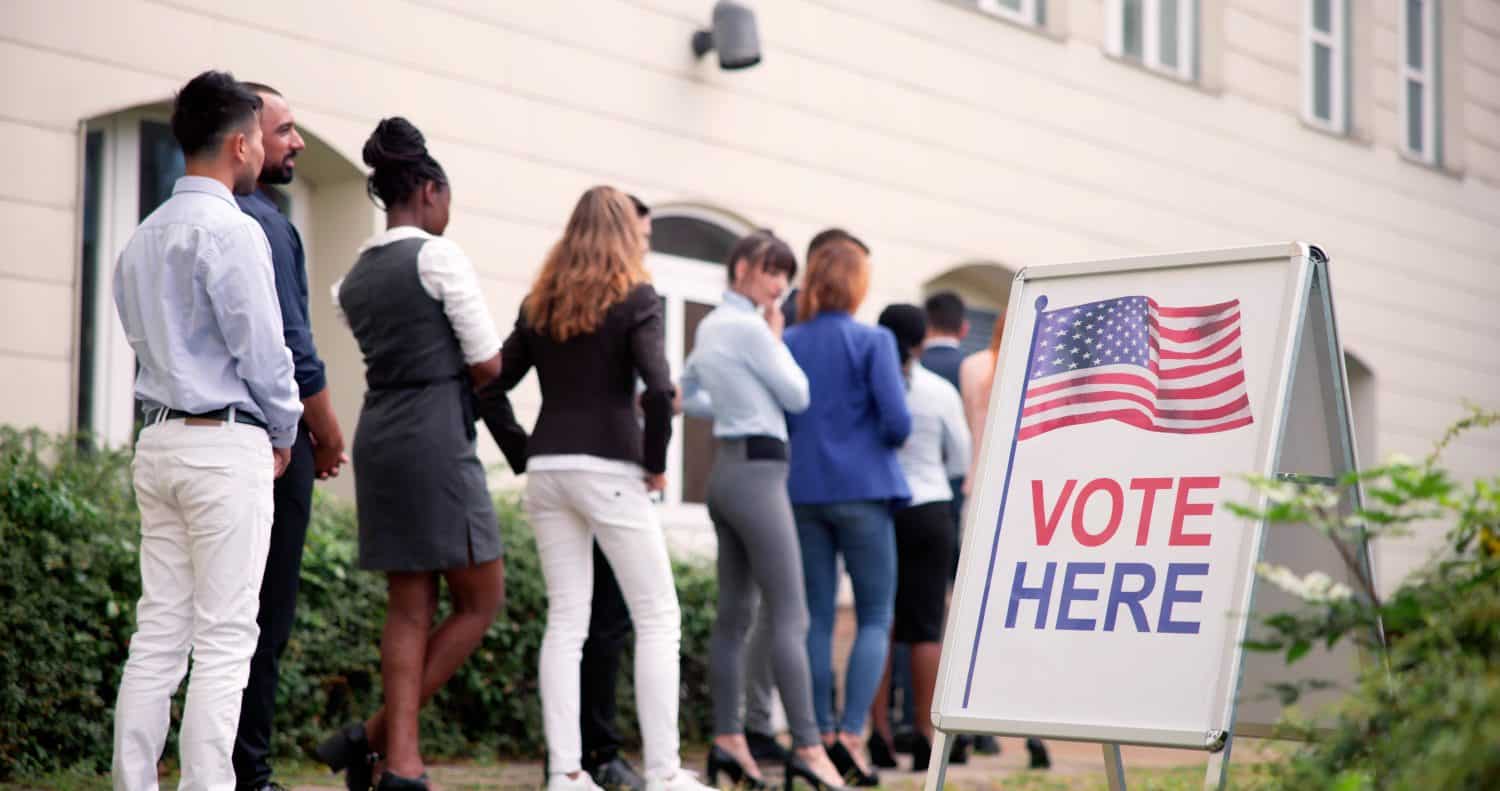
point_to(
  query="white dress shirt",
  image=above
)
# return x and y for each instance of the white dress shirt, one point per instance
(196, 294)
(741, 375)
(938, 448)
(448, 276)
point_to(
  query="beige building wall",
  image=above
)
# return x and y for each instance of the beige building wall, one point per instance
(941, 135)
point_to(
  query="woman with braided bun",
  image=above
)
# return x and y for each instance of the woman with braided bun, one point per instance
(414, 304)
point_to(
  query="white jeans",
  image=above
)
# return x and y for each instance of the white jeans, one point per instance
(204, 494)
(569, 509)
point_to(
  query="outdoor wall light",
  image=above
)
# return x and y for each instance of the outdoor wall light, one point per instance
(733, 34)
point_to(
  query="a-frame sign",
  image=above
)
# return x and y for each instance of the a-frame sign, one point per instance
(1103, 587)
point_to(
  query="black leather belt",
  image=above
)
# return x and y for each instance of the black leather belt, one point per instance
(761, 447)
(226, 415)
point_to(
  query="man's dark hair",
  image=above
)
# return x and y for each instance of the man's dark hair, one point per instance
(260, 87)
(945, 312)
(833, 235)
(397, 155)
(641, 209)
(763, 249)
(209, 107)
(909, 324)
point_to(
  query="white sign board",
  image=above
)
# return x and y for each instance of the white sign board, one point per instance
(1102, 583)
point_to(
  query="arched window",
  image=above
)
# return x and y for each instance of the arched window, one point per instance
(985, 290)
(688, 248)
(130, 164)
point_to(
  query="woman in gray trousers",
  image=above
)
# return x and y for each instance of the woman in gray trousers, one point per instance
(742, 376)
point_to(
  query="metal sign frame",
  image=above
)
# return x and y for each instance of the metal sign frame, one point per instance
(1307, 269)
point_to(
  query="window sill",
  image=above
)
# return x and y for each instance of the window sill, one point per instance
(1438, 168)
(1195, 83)
(1348, 135)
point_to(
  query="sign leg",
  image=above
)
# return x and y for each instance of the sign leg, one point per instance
(1217, 776)
(1114, 768)
(937, 768)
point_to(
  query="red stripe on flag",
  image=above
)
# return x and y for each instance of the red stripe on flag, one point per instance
(1170, 394)
(1203, 391)
(1190, 312)
(1149, 405)
(1092, 379)
(1129, 417)
(1207, 351)
(1201, 368)
(1196, 333)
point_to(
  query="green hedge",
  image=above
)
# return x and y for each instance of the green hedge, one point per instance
(69, 580)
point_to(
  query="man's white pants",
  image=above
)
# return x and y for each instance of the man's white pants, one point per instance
(568, 510)
(204, 494)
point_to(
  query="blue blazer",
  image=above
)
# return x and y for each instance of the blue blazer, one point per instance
(843, 448)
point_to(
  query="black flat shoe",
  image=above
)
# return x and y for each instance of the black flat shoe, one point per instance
(848, 769)
(880, 751)
(719, 760)
(1038, 751)
(764, 747)
(348, 750)
(390, 781)
(617, 775)
(797, 769)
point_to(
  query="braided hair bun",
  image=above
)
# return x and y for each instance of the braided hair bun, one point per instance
(397, 155)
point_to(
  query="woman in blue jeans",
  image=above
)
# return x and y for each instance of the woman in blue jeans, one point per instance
(844, 480)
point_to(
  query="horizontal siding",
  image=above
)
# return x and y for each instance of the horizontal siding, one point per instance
(39, 242)
(44, 170)
(44, 402)
(939, 135)
(36, 319)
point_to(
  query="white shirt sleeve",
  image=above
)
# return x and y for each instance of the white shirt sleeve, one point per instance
(338, 307)
(957, 444)
(448, 276)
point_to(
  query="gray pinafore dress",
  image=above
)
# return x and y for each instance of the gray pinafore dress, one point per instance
(419, 487)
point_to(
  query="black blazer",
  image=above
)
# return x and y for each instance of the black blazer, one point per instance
(588, 386)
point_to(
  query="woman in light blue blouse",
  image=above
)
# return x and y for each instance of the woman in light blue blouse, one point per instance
(845, 481)
(742, 376)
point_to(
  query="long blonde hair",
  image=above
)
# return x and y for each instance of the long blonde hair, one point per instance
(595, 264)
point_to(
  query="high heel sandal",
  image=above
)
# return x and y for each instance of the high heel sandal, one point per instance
(720, 760)
(348, 750)
(849, 769)
(797, 769)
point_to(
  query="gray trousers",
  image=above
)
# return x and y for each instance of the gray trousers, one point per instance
(760, 682)
(759, 557)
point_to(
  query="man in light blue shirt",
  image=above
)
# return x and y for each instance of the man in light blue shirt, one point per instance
(195, 292)
(742, 376)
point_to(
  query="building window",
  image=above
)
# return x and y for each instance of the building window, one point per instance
(688, 248)
(129, 166)
(1325, 98)
(1025, 12)
(1420, 90)
(1161, 35)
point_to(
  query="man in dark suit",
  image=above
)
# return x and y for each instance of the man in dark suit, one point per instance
(946, 327)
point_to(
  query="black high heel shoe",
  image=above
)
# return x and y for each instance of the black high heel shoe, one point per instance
(348, 751)
(880, 751)
(719, 760)
(390, 781)
(921, 752)
(797, 769)
(852, 774)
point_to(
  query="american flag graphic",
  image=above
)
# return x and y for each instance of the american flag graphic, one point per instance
(1176, 370)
